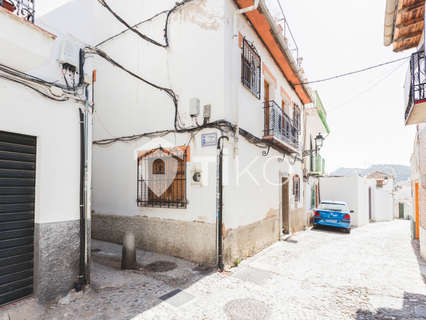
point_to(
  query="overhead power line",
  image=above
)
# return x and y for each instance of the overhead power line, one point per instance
(369, 88)
(354, 72)
(134, 28)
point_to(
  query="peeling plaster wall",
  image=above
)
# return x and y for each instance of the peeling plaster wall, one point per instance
(194, 241)
(248, 240)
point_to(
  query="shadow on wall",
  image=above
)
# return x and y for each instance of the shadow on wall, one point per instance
(413, 307)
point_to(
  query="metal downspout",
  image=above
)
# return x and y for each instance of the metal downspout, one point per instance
(84, 203)
(219, 218)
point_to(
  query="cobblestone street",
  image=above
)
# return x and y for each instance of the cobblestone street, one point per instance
(372, 273)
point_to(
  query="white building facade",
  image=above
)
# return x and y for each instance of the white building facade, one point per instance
(216, 72)
(316, 130)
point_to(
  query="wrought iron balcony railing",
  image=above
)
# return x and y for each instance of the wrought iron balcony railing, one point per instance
(415, 85)
(279, 125)
(22, 8)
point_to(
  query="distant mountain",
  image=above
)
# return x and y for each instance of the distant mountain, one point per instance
(400, 172)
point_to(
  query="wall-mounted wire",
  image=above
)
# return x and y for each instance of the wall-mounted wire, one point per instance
(168, 91)
(32, 87)
(136, 31)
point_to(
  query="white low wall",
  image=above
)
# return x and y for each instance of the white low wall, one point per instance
(353, 191)
(382, 205)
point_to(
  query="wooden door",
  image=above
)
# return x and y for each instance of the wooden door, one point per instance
(267, 107)
(285, 208)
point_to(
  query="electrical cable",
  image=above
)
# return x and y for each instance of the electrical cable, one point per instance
(33, 88)
(28, 77)
(375, 84)
(168, 91)
(134, 26)
(140, 34)
(353, 72)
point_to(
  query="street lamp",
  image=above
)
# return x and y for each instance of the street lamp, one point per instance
(319, 140)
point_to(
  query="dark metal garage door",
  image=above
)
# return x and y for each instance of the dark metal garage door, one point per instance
(17, 192)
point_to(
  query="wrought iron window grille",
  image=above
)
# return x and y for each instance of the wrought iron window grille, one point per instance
(161, 178)
(251, 68)
(22, 8)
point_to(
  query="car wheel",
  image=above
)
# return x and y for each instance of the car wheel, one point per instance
(348, 230)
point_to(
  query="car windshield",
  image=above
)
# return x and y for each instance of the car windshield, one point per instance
(332, 206)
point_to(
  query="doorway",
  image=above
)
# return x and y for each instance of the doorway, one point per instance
(285, 208)
(267, 106)
(17, 193)
(401, 210)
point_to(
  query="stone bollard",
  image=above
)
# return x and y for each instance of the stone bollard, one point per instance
(128, 254)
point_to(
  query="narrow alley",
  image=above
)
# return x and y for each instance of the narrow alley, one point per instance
(373, 273)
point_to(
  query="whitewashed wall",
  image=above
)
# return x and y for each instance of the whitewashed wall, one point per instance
(203, 61)
(382, 205)
(250, 199)
(352, 190)
(55, 124)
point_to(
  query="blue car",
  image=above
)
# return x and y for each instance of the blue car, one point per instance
(333, 214)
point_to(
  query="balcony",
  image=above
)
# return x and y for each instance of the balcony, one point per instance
(21, 8)
(415, 95)
(279, 128)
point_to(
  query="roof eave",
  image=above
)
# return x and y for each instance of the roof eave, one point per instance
(283, 46)
(389, 26)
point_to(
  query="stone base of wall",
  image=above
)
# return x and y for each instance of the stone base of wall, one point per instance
(194, 241)
(56, 258)
(298, 220)
(248, 240)
(422, 240)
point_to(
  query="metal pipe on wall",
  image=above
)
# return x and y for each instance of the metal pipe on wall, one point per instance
(219, 204)
(85, 182)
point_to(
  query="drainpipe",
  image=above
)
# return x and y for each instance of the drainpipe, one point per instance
(219, 219)
(81, 276)
(85, 181)
(237, 106)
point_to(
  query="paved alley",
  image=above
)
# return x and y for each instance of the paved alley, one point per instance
(372, 273)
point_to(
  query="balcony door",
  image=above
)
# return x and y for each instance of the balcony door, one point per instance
(267, 106)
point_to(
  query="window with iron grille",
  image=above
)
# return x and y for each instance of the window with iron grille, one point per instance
(162, 178)
(297, 118)
(296, 188)
(250, 68)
